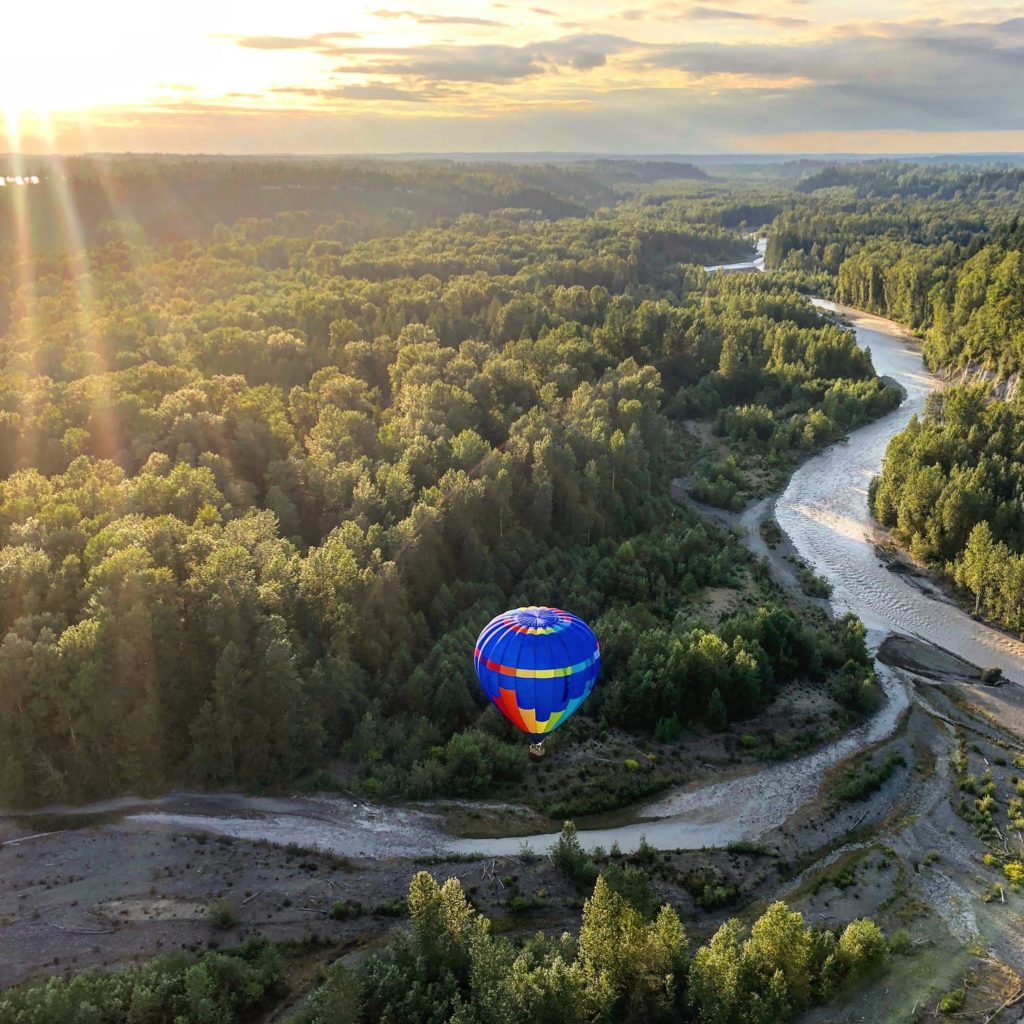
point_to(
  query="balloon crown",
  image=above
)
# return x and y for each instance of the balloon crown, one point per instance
(535, 617)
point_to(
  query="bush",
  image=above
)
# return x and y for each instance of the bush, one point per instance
(646, 852)
(224, 987)
(713, 896)
(668, 730)
(633, 885)
(953, 1002)
(337, 1001)
(860, 783)
(569, 857)
(223, 915)
(1014, 871)
(862, 947)
(345, 909)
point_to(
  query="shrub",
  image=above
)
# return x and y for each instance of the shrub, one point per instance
(953, 1002)
(1014, 871)
(570, 858)
(633, 885)
(344, 909)
(222, 987)
(862, 947)
(860, 782)
(223, 915)
(668, 730)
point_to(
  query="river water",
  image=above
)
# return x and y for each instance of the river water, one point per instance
(824, 511)
(757, 263)
(825, 514)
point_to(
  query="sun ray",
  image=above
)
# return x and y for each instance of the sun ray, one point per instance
(24, 305)
(106, 435)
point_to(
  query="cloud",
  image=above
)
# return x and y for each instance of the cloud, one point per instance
(372, 91)
(722, 12)
(435, 19)
(315, 42)
(926, 76)
(484, 62)
(703, 13)
(884, 76)
(709, 10)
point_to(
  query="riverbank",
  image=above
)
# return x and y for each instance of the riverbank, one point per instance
(824, 512)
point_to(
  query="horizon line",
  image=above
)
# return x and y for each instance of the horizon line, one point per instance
(579, 154)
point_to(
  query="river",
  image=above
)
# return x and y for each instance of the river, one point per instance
(824, 512)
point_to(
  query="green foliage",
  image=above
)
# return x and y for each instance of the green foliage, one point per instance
(569, 857)
(633, 885)
(338, 1000)
(220, 987)
(629, 964)
(254, 512)
(951, 489)
(953, 1001)
(862, 947)
(781, 968)
(223, 915)
(718, 677)
(1014, 871)
(342, 910)
(639, 961)
(863, 779)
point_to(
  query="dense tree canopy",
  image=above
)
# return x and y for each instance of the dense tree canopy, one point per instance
(952, 489)
(260, 486)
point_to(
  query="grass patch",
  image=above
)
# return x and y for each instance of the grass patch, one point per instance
(862, 780)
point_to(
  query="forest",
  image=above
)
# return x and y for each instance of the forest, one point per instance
(950, 491)
(941, 250)
(260, 486)
(936, 248)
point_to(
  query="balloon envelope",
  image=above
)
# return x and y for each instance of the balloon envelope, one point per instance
(537, 666)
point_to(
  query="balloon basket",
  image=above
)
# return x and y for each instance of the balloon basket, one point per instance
(537, 749)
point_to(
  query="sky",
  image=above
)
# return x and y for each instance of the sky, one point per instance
(669, 76)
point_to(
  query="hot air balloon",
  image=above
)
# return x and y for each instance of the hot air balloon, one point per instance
(537, 666)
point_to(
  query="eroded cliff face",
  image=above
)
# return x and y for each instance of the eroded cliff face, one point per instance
(1002, 386)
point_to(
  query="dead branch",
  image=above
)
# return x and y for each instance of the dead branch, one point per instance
(25, 839)
(1015, 998)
